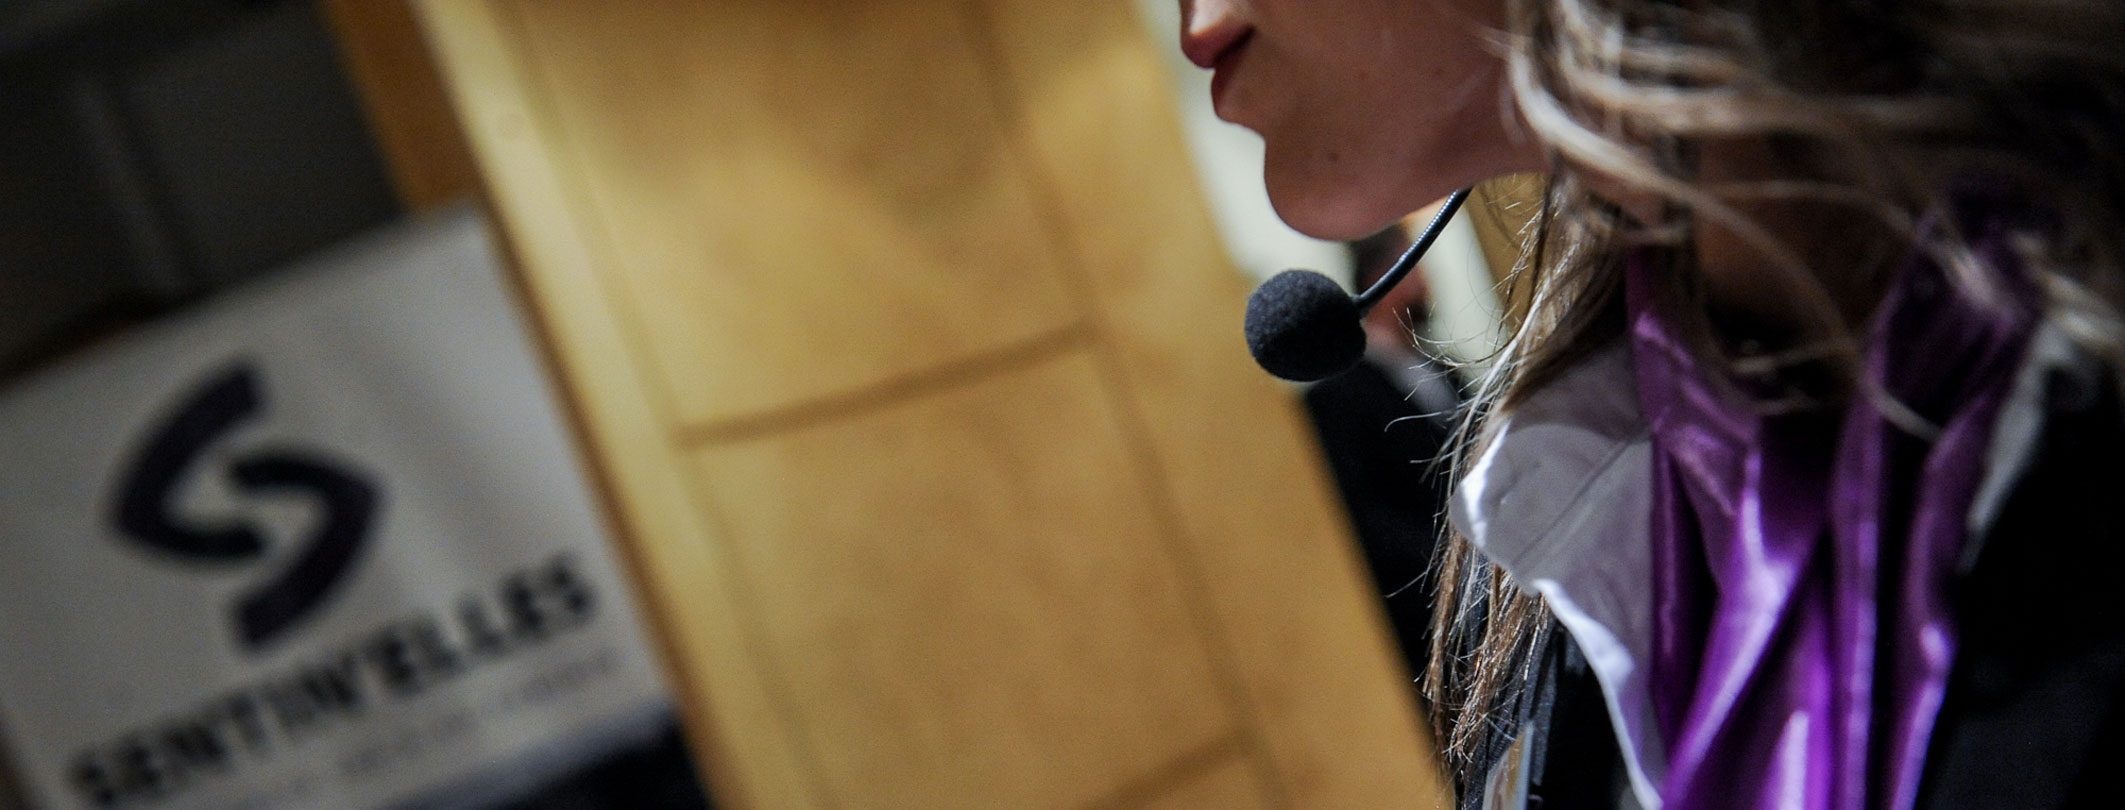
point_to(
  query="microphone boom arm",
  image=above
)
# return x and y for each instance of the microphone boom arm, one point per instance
(1416, 251)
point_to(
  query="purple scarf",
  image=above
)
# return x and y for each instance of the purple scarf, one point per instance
(1802, 637)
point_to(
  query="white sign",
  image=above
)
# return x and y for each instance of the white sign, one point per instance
(321, 544)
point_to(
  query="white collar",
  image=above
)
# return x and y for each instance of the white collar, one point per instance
(1561, 499)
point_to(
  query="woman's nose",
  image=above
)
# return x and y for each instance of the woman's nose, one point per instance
(1209, 26)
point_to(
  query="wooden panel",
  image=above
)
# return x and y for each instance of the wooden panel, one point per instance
(1331, 704)
(965, 614)
(910, 361)
(806, 180)
(1229, 786)
(403, 99)
(750, 755)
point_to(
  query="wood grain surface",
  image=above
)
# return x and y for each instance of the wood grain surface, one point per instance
(909, 364)
(409, 115)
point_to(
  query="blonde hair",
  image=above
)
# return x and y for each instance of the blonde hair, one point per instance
(1880, 107)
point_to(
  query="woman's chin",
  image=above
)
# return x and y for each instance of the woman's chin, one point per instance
(1337, 205)
(1326, 214)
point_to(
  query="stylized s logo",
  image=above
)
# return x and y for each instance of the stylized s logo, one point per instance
(146, 515)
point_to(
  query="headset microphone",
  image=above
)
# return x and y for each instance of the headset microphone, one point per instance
(1301, 326)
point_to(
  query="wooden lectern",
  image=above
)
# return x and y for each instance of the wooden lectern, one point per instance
(902, 347)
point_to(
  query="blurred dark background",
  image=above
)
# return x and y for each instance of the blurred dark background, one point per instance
(154, 151)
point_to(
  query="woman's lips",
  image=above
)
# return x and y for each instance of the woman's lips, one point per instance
(1226, 63)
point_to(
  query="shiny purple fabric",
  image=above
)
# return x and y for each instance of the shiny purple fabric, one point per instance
(1802, 638)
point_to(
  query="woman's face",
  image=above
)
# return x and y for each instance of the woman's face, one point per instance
(1370, 109)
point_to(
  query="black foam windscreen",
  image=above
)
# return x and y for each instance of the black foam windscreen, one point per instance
(1302, 327)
